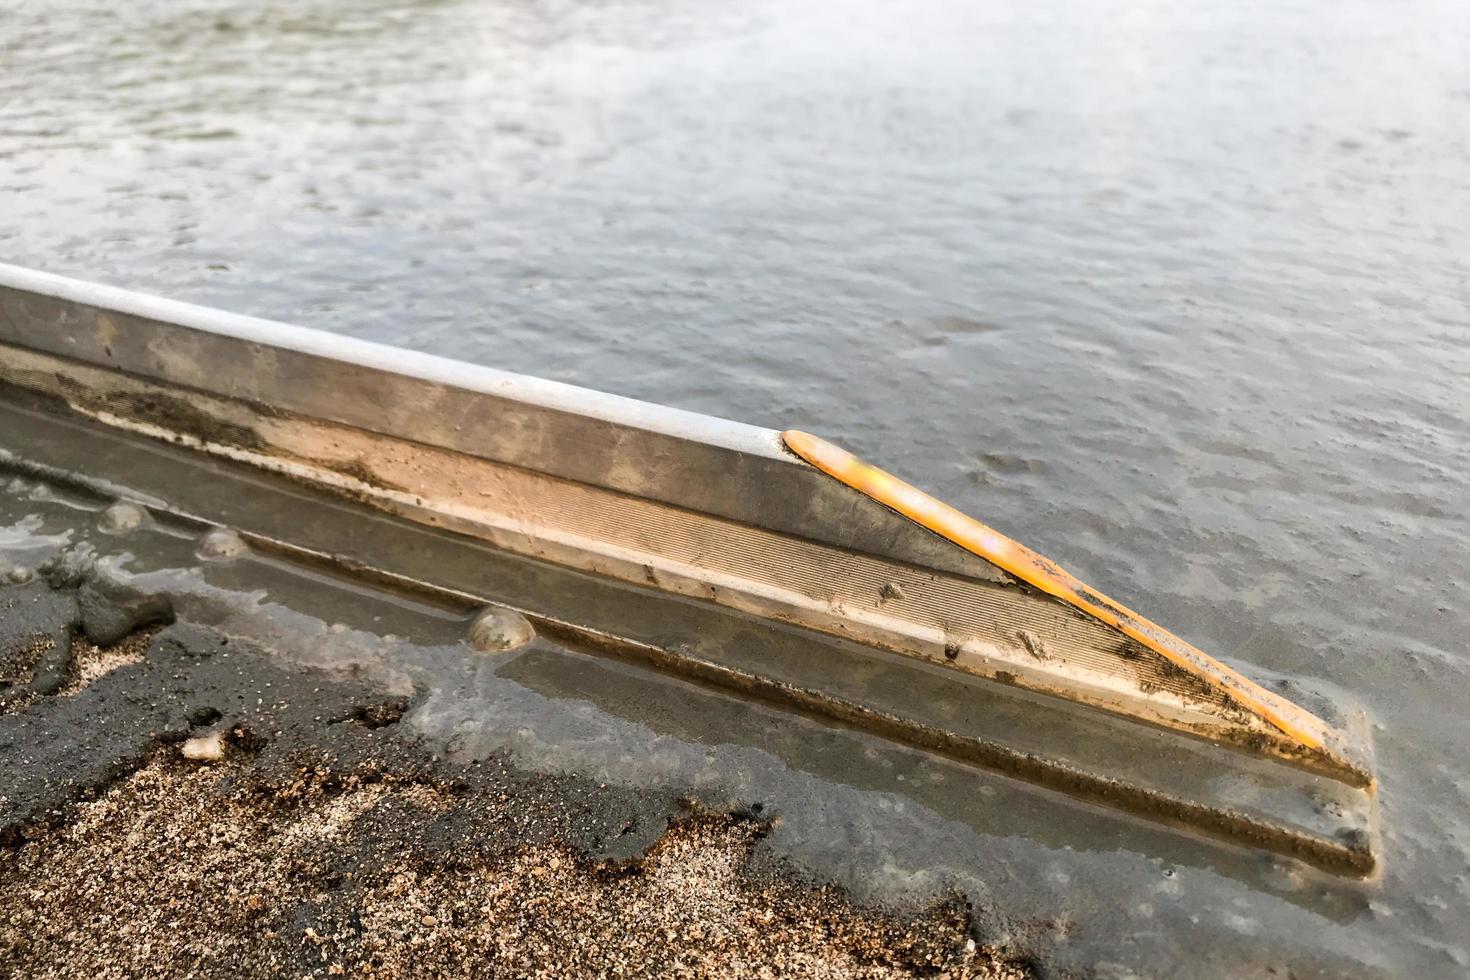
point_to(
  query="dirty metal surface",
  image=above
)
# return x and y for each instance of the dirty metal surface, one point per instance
(488, 454)
(1138, 768)
(891, 822)
(728, 469)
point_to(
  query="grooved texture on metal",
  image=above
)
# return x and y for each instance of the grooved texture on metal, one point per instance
(714, 466)
(1083, 753)
(691, 505)
(967, 624)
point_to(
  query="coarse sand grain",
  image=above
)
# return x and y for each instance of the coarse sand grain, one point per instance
(186, 869)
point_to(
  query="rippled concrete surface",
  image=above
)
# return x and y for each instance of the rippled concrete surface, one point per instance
(1175, 292)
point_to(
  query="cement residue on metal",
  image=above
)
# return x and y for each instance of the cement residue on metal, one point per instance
(887, 823)
(122, 517)
(496, 630)
(222, 544)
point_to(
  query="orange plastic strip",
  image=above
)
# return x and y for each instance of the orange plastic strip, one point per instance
(1044, 574)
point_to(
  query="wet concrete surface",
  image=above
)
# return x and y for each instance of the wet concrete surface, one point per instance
(1175, 294)
(1040, 875)
(1113, 763)
(205, 809)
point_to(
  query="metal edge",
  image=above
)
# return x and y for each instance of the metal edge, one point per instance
(1353, 855)
(729, 469)
(614, 409)
(1042, 573)
(740, 472)
(772, 576)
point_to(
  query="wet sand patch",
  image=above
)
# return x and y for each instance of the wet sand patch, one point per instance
(190, 868)
(185, 804)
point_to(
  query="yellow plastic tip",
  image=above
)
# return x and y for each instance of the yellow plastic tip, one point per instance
(1042, 573)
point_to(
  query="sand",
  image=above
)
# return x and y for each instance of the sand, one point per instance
(184, 869)
(182, 806)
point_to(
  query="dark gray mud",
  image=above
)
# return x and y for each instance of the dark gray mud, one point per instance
(322, 838)
(1078, 888)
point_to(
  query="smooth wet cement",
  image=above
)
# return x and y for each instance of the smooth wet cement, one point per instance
(1174, 293)
(190, 803)
(1040, 874)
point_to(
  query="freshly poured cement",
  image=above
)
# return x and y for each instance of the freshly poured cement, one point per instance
(190, 804)
(1042, 875)
(1175, 293)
